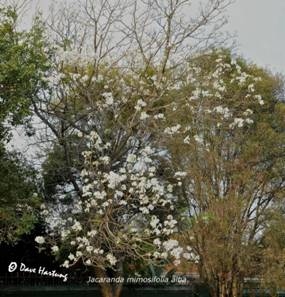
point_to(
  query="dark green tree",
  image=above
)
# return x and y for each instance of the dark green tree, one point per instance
(23, 63)
(18, 197)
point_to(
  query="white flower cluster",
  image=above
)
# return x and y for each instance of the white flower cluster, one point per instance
(224, 96)
(224, 111)
(172, 130)
(108, 97)
(240, 122)
(140, 104)
(122, 204)
(40, 240)
(190, 255)
(199, 139)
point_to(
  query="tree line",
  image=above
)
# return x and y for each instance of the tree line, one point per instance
(158, 145)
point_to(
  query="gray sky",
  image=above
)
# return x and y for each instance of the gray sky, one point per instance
(259, 25)
(260, 28)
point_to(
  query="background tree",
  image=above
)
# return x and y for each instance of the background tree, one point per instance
(21, 68)
(18, 196)
(273, 251)
(230, 131)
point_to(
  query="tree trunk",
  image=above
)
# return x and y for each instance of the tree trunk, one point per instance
(108, 289)
(237, 287)
(118, 290)
(222, 288)
(227, 287)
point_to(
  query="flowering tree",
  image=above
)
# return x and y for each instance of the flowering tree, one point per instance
(122, 207)
(151, 40)
(231, 135)
(124, 213)
(135, 126)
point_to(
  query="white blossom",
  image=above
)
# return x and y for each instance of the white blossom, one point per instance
(65, 264)
(224, 111)
(180, 174)
(176, 252)
(114, 179)
(248, 112)
(71, 257)
(187, 256)
(144, 116)
(157, 242)
(198, 139)
(92, 233)
(140, 104)
(109, 98)
(112, 259)
(159, 116)
(170, 244)
(249, 121)
(77, 226)
(259, 99)
(131, 158)
(89, 249)
(238, 122)
(55, 249)
(40, 240)
(172, 130)
(154, 221)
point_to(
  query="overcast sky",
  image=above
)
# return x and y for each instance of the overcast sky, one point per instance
(259, 25)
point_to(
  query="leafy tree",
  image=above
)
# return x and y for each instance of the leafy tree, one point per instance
(273, 253)
(18, 197)
(23, 63)
(22, 67)
(228, 139)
